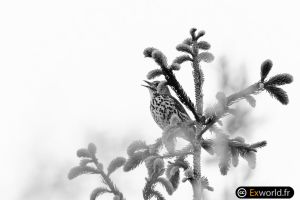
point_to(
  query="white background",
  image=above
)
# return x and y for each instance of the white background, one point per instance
(70, 73)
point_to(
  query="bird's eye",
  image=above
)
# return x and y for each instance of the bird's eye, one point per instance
(156, 84)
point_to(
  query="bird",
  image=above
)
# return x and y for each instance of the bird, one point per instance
(163, 105)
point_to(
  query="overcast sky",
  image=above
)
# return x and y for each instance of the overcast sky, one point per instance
(72, 68)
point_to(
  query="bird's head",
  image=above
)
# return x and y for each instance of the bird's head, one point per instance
(153, 87)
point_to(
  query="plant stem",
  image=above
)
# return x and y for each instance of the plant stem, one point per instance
(198, 82)
(196, 183)
(107, 180)
(252, 89)
(197, 191)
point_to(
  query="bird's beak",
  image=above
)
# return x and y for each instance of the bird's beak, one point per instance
(149, 85)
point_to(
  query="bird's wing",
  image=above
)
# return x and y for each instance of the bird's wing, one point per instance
(180, 107)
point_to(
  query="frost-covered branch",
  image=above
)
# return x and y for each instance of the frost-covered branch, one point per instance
(271, 86)
(88, 157)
